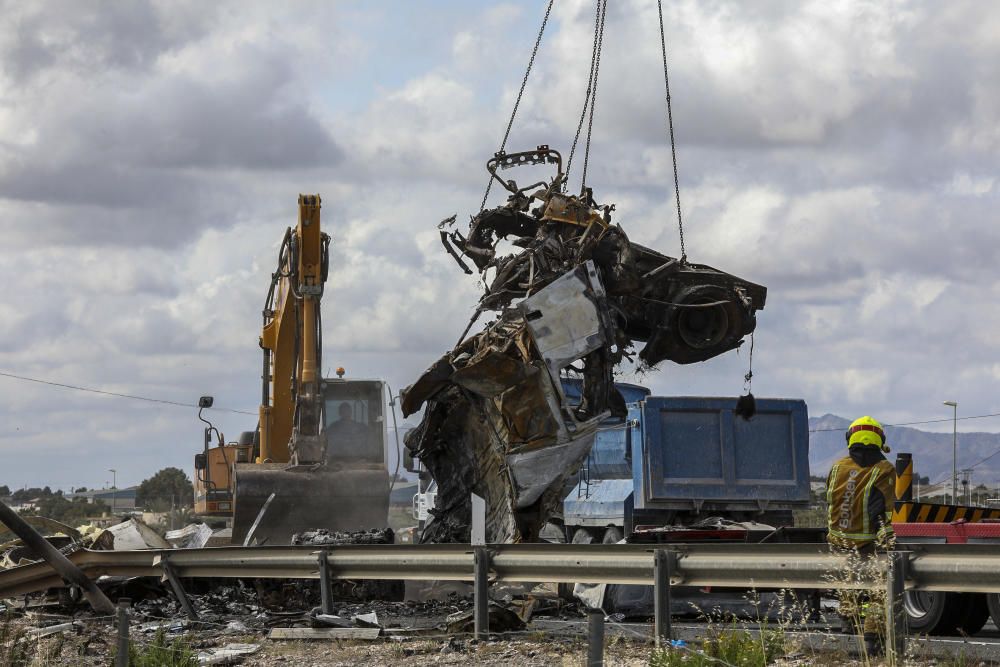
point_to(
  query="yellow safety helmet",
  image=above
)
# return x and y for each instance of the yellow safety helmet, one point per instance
(865, 431)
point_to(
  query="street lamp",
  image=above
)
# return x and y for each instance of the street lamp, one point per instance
(954, 451)
(114, 488)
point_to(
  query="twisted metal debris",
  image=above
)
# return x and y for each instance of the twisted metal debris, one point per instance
(573, 299)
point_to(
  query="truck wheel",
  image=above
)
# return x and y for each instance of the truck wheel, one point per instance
(613, 535)
(975, 613)
(580, 536)
(933, 612)
(993, 605)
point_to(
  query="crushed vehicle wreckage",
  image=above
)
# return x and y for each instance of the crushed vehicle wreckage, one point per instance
(574, 300)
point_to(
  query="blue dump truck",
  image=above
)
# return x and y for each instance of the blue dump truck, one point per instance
(688, 469)
(680, 462)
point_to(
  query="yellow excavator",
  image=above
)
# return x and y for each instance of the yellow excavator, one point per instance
(317, 457)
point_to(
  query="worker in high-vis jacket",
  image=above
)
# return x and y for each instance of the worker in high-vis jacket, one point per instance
(860, 496)
(861, 490)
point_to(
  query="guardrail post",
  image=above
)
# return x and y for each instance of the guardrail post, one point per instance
(595, 638)
(663, 569)
(121, 612)
(178, 589)
(481, 592)
(895, 614)
(325, 585)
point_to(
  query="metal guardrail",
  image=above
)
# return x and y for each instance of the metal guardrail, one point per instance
(933, 567)
(927, 567)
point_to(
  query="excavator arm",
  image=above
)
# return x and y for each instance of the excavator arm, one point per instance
(291, 340)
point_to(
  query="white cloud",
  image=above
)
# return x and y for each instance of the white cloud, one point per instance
(843, 154)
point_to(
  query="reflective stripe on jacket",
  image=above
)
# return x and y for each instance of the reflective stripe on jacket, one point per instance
(859, 499)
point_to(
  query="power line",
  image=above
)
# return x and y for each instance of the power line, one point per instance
(927, 421)
(974, 465)
(936, 421)
(116, 394)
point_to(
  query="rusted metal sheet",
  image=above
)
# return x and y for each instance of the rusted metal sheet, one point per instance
(575, 298)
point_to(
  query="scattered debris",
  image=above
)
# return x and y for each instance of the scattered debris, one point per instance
(368, 589)
(192, 536)
(226, 655)
(366, 620)
(324, 633)
(502, 619)
(323, 537)
(170, 626)
(236, 627)
(38, 633)
(222, 537)
(97, 539)
(14, 552)
(574, 298)
(134, 534)
(329, 621)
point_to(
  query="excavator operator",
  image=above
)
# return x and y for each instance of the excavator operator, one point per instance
(346, 437)
(860, 496)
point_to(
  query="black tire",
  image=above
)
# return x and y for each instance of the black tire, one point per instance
(613, 535)
(580, 536)
(975, 613)
(934, 612)
(70, 596)
(993, 605)
(565, 591)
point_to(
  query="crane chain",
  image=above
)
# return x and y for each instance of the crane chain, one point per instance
(593, 100)
(670, 127)
(520, 93)
(586, 98)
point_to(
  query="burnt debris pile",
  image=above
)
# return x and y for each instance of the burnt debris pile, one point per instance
(574, 298)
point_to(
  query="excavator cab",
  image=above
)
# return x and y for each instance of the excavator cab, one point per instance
(353, 421)
(348, 490)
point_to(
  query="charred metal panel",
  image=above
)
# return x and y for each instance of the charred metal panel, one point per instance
(565, 318)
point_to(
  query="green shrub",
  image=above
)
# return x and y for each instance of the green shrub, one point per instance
(15, 649)
(731, 646)
(161, 653)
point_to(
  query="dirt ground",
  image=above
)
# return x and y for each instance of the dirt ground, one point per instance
(521, 651)
(92, 643)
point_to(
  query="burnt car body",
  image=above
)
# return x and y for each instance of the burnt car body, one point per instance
(575, 298)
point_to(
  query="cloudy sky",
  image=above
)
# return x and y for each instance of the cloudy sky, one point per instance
(845, 154)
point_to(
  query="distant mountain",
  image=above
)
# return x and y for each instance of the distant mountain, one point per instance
(931, 451)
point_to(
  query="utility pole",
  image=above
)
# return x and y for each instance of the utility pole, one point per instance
(954, 451)
(114, 489)
(967, 484)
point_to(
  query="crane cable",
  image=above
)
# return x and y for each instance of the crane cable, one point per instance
(593, 101)
(590, 96)
(586, 97)
(670, 128)
(520, 93)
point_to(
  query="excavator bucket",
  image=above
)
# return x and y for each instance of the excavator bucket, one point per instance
(348, 491)
(274, 502)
